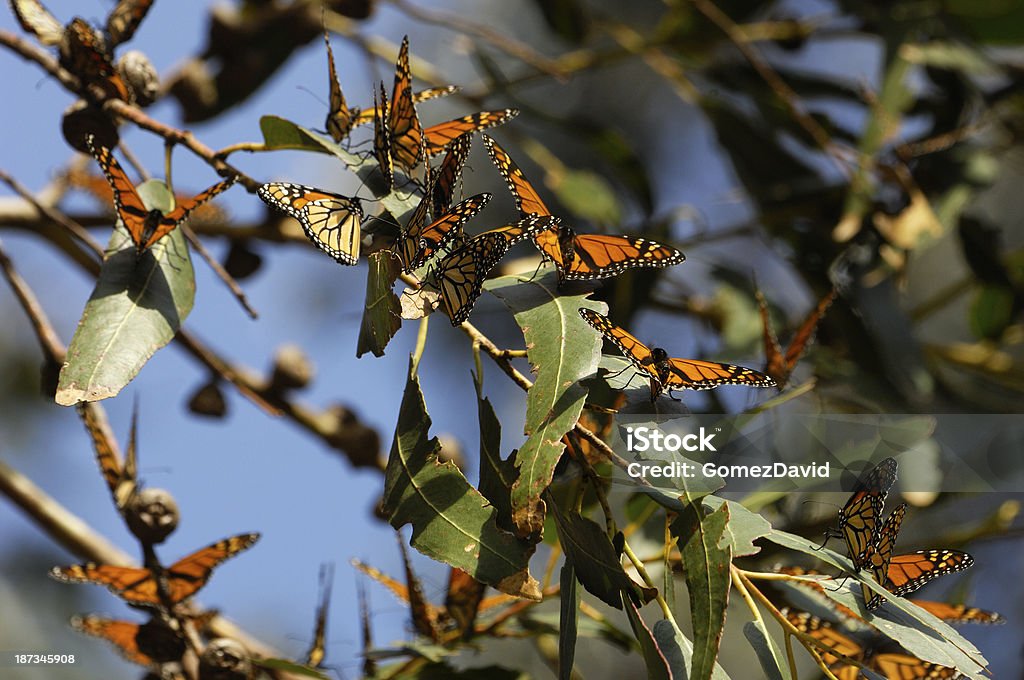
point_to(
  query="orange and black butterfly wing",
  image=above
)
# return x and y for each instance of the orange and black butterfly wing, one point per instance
(774, 362)
(365, 116)
(191, 573)
(528, 201)
(135, 585)
(439, 136)
(315, 655)
(460, 276)
(37, 20)
(859, 517)
(447, 177)
(439, 232)
(908, 572)
(134, 215)
(125, 18)
(958, 613)
(382, 139)
(84, 52)
(880, 554)
(403, 123)
(167, 223)
(120, 478)
(637, 352)
(825, 633)
(598, 256)
(119, 633)
(906, 667)
(695, 374)
(340, 118)
(805, 334)
(331, 221)
(463, 599)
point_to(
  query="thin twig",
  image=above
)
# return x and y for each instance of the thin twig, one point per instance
(226, 278)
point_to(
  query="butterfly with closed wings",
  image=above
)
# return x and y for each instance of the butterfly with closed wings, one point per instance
(331, 221)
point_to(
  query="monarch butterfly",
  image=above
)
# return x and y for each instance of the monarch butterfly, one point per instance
(37, 20)
(120, 479)
(141, 586)
(125, 19)
(85, 52)
(340, 118)
(439, 136)
(146, 227)
(909, 572)
(777, 364)
(419, 243)
(880, 554)
(585, 256)
(365, 116)
(331, 221)
(958, 613)
(441, 188)
(315, 655)
(858, 518)
(403, 125)
(461, 274)
(382, 139)
(892, 666)
(667, 373)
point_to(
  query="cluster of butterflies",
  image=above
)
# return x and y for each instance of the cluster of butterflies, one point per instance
(84, 50)
(333, 222)
(871, 541)
(160, 590)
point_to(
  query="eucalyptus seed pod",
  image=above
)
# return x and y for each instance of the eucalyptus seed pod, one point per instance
(209, 401)
(292, 369)
(82, 119)
(138, 72)
(225, 659)
(152, 515)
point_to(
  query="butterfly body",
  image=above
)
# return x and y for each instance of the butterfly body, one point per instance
(331, 221)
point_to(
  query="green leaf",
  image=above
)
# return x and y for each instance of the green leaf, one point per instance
(593, 557)
(744, 526)
(137, 306)
(657, 665)
(996, 22)
(562, 349)
(707, 555)
(678, 650)
(382, 314)
(452, 522)
(770, 658)
(496, 474)
(279, 133)
(567, 621)
(290, 667)
(991, 311)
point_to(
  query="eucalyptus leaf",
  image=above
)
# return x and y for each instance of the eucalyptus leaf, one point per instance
(382, 313)
(657, 665)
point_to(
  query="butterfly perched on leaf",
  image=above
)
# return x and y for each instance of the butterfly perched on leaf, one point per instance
(879, 554)
(910, 571)
(778, 364)
(892, 666)
(340, 118)
(578, 256)
(859, 516)
(443, 181)
(365, 116)
(958, 613)
(145, 226)
(404, 129)
(666, 373)
(141, 586)
(460, 275)
(331, 221)
(382, 138)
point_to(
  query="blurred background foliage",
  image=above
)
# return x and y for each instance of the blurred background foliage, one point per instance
(874, 147)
